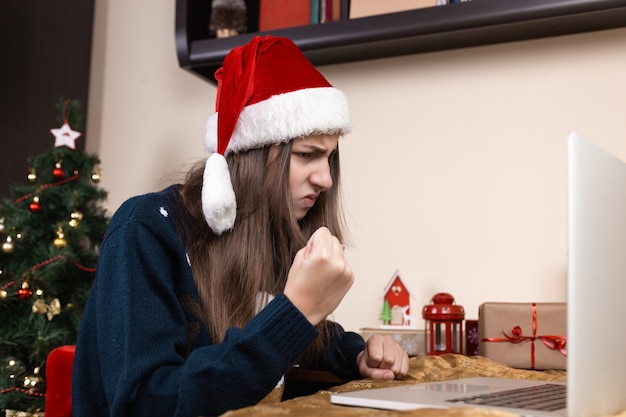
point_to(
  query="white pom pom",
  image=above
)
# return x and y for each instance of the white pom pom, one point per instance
(218, 198)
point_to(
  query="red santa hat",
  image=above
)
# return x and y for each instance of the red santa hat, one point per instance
(267, 93)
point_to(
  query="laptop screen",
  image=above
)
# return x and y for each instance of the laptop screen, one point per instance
(596, 280)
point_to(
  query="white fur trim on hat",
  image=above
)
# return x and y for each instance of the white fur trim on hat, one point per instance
(283, 117)
(218, 198)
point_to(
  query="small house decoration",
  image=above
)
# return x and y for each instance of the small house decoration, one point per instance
(396, 310)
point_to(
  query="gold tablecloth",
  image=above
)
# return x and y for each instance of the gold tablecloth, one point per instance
(422, 369)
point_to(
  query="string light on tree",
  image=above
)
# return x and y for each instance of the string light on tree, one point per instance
(76, 217)
(95, 175)
(3, 292)
(13, 366)
(32, 174)
(33, 382)
(8, 246)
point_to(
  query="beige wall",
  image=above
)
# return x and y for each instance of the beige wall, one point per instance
(455, 173)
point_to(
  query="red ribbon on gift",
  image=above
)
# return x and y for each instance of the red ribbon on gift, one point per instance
(552, 342)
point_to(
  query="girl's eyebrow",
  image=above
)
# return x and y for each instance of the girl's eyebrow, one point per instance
(315, 147)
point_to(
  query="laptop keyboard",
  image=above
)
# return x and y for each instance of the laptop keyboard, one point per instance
(545, 397)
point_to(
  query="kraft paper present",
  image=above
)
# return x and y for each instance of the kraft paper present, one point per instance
(524, 335)
(471, 338)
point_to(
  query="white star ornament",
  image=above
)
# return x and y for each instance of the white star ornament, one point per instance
(65, 136)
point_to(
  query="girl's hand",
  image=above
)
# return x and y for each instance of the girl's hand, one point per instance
(383, 358)
(319, 277)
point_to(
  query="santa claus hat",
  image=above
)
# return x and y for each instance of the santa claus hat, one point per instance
(267, 93)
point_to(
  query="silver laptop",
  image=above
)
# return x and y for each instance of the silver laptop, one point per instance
(596, 369)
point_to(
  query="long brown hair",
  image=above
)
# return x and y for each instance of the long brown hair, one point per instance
(231, 270)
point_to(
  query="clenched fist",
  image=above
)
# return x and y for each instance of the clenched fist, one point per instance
(319, 277)
(383, 358)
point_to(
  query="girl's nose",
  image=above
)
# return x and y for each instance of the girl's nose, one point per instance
(321, 177)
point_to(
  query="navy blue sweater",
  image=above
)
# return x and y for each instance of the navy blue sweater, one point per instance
(142, 349)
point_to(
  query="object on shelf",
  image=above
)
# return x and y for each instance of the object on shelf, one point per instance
(279, 14)
(422, 30)
(228, 18)
(336, 9)
(364, 8)
(524, 335)
(444, 325)
(329, 10)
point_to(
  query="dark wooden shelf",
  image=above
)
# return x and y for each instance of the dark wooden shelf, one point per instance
(459, 25)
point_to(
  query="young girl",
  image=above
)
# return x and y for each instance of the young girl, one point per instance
(209, 291)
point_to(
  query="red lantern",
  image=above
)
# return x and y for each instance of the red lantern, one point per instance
(444, 325)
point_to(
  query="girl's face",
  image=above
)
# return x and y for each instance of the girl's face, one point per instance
(309, 173)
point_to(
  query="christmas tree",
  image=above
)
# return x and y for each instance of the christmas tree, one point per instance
(386, 316)
(50, 231)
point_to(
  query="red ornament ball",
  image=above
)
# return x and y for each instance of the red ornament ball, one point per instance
(35, 207)
(58, 173)
(24, 293)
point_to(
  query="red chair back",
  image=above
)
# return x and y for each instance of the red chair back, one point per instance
(59, 366)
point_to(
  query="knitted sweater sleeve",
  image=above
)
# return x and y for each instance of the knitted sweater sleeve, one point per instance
(344, 348)
(132, 354)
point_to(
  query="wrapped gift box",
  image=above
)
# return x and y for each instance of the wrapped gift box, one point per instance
(471, 338)
(524, 335)
(413, 341)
